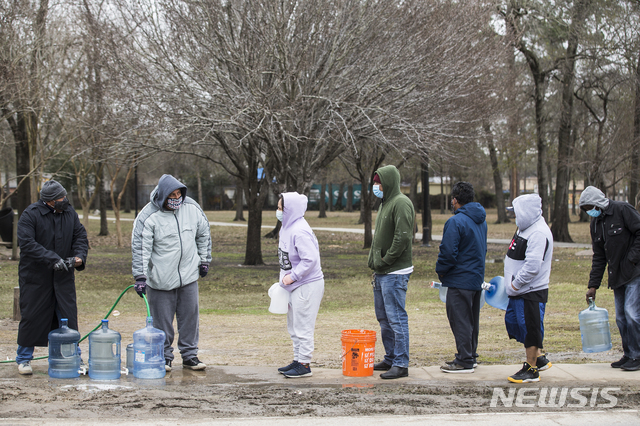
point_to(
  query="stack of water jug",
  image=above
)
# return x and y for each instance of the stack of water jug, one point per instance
(145, 357)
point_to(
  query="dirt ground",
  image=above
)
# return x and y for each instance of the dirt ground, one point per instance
(227, 390)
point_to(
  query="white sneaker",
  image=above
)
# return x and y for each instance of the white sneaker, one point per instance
(25, 368)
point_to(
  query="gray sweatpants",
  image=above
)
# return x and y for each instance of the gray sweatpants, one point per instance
(183, 304)
(301, 318)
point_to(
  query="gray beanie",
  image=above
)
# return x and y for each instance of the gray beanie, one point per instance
(52, 190)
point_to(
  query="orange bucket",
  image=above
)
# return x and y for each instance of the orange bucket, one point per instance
(358, 352)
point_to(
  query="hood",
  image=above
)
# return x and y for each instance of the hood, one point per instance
(390, 180)
(528, 209)
(295, 205)
(166, 185)
(475, 211)
(592, 196)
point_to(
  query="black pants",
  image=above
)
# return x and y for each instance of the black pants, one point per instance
(463, 312)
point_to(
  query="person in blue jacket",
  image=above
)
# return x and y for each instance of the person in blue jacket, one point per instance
(460, 267)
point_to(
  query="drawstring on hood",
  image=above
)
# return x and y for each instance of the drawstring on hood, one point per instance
(528, 209)
(166, 185)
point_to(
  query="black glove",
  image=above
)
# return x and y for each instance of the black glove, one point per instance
(204, 270)
(70, 262)
(60, 265)
(140, 286)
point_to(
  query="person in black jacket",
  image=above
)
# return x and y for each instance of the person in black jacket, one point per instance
(615, 237)
(52, 243)
(460, 267)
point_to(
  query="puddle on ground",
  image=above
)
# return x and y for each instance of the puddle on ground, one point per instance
(95, 387)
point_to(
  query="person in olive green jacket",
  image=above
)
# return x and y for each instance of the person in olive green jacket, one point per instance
(390, 259)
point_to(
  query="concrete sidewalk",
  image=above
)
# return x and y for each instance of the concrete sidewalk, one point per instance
(568, 374)
(559, 374)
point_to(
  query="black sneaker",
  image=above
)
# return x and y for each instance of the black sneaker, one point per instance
(194, 364)
(542, 363)
(300, 370)
(632, 365)
(475, 362)
(455, 368)
(167, 365)
(395, 373)
(526, 375)
(381, 366)
(281, 370)
(622, 361)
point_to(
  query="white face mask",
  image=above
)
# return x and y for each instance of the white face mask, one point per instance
(279, 215)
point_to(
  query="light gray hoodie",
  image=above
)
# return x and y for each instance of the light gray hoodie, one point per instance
(168, 246)
(592, 196)
(527, 265)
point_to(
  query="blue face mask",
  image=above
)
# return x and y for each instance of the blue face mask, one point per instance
(174, 203)
(279, 214)
(377, 192)
(594, 212)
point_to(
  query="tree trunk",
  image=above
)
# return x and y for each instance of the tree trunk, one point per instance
(256, 194)
(23, 153)
(413, 192)
(634, 181)
(427, 224)
(253, 253)
(497, 177)
(322, 204)
(330, 191)
(349, 207)
(539, 80)
(560, 219)
(104, 224)
(340, 197)
(512, 118)
(366, 216)
(200, 199)
(239, 202)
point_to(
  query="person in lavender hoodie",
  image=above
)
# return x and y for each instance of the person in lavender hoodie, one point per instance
(301, 275)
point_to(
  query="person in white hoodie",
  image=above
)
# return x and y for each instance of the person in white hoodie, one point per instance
(301, 275)
(527, 267)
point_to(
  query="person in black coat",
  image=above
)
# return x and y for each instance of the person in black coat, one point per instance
(52, 244)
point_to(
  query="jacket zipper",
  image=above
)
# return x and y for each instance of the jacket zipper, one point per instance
(180, 238)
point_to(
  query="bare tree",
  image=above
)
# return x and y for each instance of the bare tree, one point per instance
(560, 217)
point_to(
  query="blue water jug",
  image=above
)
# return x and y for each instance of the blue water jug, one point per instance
(148, 352)
(130, 357)
(104, 353)
(496, 294)
(594, 329)
(64, 361)
(443, 292)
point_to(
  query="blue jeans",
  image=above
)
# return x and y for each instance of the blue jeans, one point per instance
(389, 296)
(627, 300)
(24, 354)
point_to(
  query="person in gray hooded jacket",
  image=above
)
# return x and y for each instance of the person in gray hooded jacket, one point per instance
(615, 239)
(171, 247)
(527, 267)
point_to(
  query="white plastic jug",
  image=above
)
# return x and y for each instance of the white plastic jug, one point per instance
(443, 292)
(279, 299)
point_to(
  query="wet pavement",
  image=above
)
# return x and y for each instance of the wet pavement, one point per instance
(558, 375)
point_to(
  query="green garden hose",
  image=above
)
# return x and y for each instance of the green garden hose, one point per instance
(144, 296)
